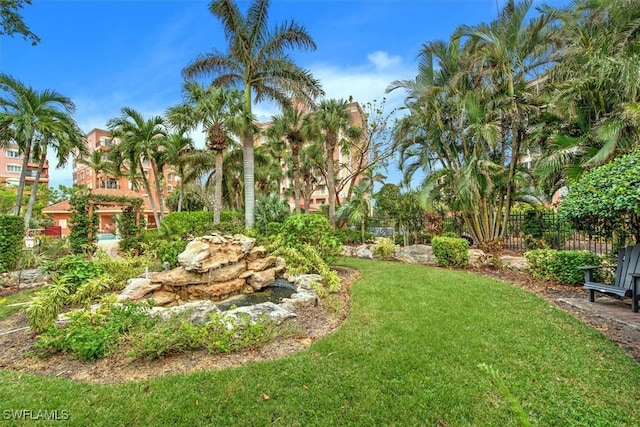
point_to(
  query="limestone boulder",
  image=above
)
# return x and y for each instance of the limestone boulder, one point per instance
(416, 254)
(216, 291)
(348, 251)
(207, 253)
(182, 277)
(364, 251)
(198, 311)
(515, 263)
(260, 279)
(273, 311)
(164, 298)
(478, 258)
(306, 281)
(137, 288)
(260, 264)
(24, 279)
(302, 298)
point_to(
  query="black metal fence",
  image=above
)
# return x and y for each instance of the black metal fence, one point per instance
(549, 230)
(555, 233)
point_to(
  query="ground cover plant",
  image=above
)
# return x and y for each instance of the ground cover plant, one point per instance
(421, 346)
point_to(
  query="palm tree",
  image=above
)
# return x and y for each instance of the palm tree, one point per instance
(357, 209)
(593, 112)
(221, 113)
(331, 123)
(142, 141)
(27, 116)
(178, 150)
(288, 126)
(256, 60)
(68, 139)
(99, 163)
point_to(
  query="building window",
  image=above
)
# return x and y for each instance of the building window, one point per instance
(14, 168)
(13, 182)
(13, 154)
(169, 176)
(170, 188)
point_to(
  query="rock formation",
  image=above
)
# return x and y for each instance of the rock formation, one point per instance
(213, 268)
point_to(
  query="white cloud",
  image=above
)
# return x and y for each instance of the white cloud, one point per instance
(382, 59)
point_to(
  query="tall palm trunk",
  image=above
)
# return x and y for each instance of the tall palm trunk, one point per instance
(34, 189)
(332, 139)
(217, 192)
(23, 175)
(158, 187)
(249, 180)
(147, 188)
(295, 151)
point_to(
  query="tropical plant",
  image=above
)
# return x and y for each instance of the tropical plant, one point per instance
(142, 143)
(256, 61)
(220, 113)
(330, 123)
(270, 209)
(29, 117)
(357, 210)
(288, 126)
(471, 111)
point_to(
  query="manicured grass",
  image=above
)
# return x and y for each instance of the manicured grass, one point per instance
(7, 309)
(407, 355)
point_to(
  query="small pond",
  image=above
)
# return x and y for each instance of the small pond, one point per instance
(274, 293)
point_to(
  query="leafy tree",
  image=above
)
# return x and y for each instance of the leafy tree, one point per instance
(607, 199)
(593, 108)
(31, 118)
(220, 112)
(142, 141)
(256, 61)
(12, 23)
(288, 126)
(330, 122)
(270, 209)
(357, 209)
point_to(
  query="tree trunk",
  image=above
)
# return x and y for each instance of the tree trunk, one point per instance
(34, 190)
(147, 188)
(158, 185)
(23, 175)
(296, 175)
(217, 191)
(331, 179)
(249, 180)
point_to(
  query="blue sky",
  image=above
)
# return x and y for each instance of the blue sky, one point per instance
(106, 55)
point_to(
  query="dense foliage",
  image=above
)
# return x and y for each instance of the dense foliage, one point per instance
(561, 266)
(606, 199)
(11, 232)
(451, 251)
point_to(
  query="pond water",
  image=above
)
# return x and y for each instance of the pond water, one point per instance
(274, 293)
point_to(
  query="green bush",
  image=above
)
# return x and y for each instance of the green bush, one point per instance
(222, 334)
(561, 266)
(314, 230)
(75, 269)
(178, 225)
(91, 335)
(384, 248)
(449, 234)
(451, 251)
(11, 232)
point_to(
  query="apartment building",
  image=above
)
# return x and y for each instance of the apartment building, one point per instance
(100, 140)
(11, 167)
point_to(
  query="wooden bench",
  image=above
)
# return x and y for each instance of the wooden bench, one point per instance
(627, 281)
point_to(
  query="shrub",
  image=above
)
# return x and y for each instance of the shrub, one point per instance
(91, 335)
(449, 234)
(561, 266)
(75, 269)
(178, 225)
(314, 230)
(11, 232)
(44, 309)
(384, 248)
(270, 209)
(222, 334)
(451, 251)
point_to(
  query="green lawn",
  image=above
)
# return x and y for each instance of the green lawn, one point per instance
(407, 355)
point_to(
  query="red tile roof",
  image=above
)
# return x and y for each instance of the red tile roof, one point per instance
(64, 206)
